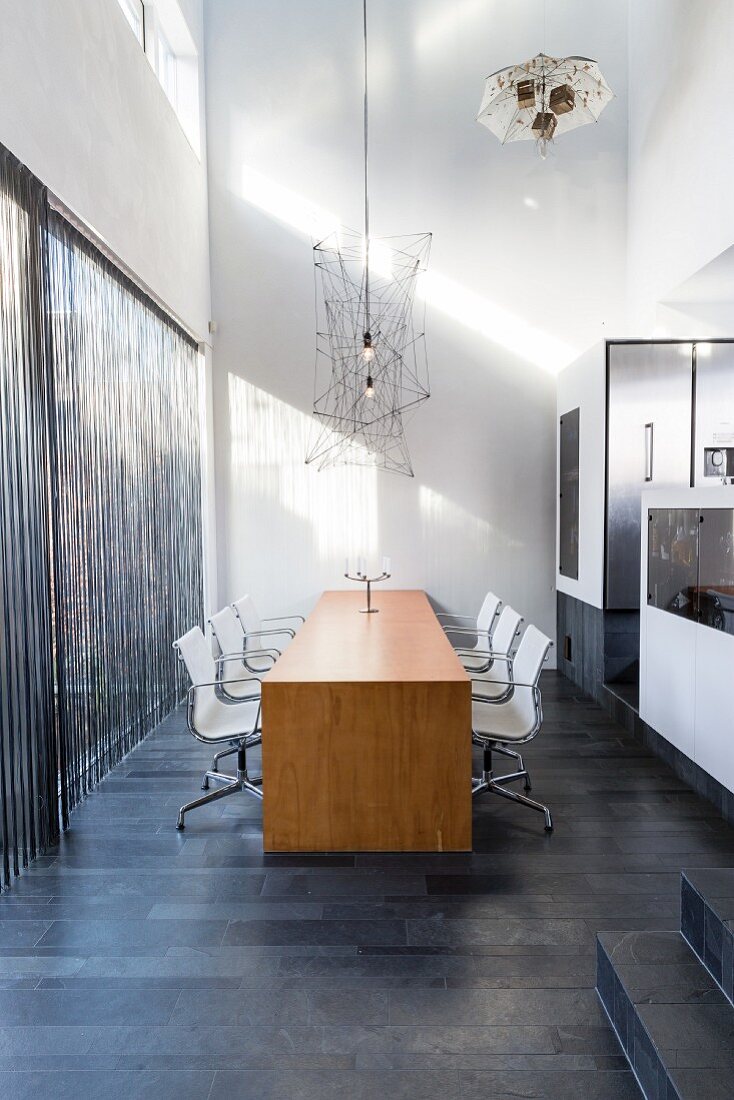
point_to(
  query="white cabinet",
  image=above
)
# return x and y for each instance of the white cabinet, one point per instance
(687, 651)
(714, 709)
(670, 678)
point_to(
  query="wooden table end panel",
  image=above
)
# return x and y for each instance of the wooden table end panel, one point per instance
(367, 766)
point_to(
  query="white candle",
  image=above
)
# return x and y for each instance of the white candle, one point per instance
(346, 566)
(385, 565)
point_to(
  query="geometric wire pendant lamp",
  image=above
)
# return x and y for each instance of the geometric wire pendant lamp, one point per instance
(371, 365)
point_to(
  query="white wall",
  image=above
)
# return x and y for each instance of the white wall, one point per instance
(681, 156)
(531, 255)
(582, 386)
(83, 109)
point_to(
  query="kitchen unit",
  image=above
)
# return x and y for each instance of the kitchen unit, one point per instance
(687, 624)
(655, 422)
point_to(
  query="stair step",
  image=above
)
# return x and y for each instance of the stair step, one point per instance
(707, 921)
(672, 1019)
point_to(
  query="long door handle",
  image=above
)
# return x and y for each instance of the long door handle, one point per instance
(648, 451)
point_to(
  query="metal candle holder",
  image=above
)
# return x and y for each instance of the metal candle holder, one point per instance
(361, 575)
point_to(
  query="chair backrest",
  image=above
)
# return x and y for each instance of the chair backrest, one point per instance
(250, 620)
(530, 657)
(197, 657)
(227, 630)
(506, 630)
(487, 612)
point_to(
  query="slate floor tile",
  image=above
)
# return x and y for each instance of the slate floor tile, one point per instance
(147, 964)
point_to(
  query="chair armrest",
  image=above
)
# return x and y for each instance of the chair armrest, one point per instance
(269, 633)
(223, 683)
(283, 619)
(450, 615)
(504, 683)
(223, 658)
(490, 654)
(464, 630)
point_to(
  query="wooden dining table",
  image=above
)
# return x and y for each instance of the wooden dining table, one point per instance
(366, 732)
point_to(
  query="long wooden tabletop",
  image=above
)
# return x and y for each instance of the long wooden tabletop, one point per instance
(366, 732)
(403, 643)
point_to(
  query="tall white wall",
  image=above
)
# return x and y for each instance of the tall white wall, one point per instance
(528, 265)
(83, 109)
(681, 158)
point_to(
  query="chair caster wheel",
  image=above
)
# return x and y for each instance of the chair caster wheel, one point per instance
(528, 786)
(205, 785)
(180, 826)
(549, 828)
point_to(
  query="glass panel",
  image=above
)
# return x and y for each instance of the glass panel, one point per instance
(134, 13)
(568, 549)
(716, 569)
(167, 68)
(672, 560)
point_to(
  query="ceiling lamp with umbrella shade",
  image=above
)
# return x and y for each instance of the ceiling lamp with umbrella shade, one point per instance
(371, 368)
(542, 98)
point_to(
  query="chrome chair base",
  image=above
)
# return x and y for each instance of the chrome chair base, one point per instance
(251, 740)
(231, 784)
(511, 753)
(495, 784)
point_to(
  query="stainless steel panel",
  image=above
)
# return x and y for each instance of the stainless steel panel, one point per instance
(714, 410)
(568, 505)
(649, 446)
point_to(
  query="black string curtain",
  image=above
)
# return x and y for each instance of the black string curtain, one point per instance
(127, 508)
(28, 772)
(100, 515)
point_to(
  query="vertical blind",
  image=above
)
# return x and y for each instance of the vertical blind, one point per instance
(100, 515)
(28, 774)
(127, 508)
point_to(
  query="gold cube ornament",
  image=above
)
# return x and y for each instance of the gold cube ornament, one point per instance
(562, 99)
(545, 125)
(525, 93)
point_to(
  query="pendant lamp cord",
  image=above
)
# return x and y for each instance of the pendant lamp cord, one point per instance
(366, 181)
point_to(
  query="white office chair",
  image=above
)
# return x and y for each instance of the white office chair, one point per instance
(484, 622)
(230, 638)
(257, 629)
(513, 719)
(480, 658)
(214, 721)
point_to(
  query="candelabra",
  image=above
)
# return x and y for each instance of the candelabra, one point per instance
(361, 575)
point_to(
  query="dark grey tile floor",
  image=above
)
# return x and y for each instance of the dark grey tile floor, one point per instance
(139, 962)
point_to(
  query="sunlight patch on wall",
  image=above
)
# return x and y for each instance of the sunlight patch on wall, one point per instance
(287, 206)
(269, 438)
(480, 315)
(473, 311)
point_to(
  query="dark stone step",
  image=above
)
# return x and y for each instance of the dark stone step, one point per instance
(707, 921)
(673, 1021)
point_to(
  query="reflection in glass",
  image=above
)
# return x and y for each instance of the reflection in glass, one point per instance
(672, 560)
(716, 569)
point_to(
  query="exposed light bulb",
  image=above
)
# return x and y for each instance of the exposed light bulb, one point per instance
(368, 352)
(370, 388)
